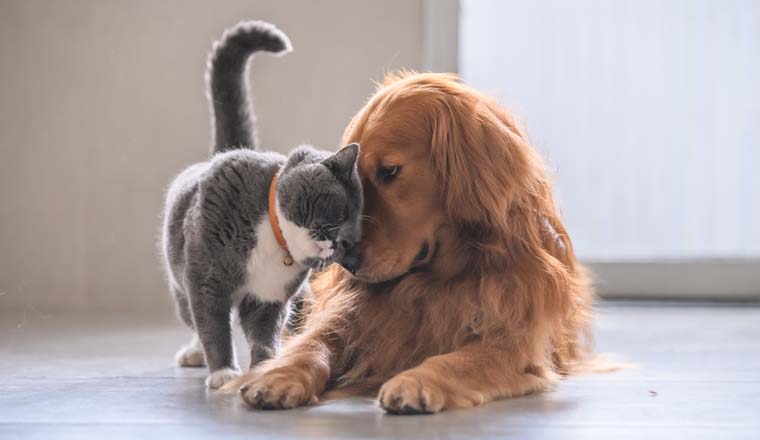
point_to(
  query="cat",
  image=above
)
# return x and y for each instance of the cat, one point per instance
(243, 230)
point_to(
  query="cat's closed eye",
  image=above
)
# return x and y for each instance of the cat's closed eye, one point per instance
(323, 232)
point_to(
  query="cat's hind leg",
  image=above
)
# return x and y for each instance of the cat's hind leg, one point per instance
(191, 354)
(262, 323)
(210, 304)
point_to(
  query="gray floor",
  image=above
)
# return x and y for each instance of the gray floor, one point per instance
(699, 377)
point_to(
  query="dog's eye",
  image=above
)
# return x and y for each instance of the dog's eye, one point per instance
(387, 174)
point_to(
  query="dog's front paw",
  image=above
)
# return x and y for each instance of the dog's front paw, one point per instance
(406, 393)
(220, 377)
(278, 389)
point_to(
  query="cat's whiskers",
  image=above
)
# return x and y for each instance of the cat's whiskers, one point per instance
(330, 227)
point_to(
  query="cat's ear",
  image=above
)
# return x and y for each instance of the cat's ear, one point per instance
(342, 163)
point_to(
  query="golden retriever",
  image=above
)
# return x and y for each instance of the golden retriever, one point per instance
(465, 287)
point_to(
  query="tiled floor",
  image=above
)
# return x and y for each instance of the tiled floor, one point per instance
(112, 377)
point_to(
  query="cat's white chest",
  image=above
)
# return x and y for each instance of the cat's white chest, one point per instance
(267, 278)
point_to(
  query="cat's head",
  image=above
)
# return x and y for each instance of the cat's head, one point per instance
(319, 204)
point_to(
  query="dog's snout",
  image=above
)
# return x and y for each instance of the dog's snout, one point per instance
(352, 260)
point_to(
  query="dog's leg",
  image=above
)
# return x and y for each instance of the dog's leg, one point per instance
(296, 377)
(471, 376)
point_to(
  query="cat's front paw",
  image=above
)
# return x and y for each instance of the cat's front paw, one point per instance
(218, 378)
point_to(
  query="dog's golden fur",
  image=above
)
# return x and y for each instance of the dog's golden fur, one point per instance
(500, 309)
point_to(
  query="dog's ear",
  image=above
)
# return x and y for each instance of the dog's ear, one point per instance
(480, 156)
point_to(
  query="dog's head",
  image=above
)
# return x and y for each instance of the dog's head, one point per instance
(440, 163)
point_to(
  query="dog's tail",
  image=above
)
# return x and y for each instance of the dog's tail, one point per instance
(227, 83)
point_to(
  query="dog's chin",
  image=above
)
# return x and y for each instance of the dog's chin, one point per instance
(377, 279)
(417, 265)
(385, 278)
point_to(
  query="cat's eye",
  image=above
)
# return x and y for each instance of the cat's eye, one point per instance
(388, 174)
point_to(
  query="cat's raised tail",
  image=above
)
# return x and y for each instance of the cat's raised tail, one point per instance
(227, 83)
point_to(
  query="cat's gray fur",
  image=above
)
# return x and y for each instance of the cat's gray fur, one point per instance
(218, 245)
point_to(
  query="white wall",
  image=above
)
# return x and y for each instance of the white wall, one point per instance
(647, 110)
(101, 103)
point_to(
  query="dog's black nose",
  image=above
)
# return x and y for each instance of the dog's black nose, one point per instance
(352, 260)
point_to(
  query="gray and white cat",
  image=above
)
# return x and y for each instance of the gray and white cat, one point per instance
(220, 245)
